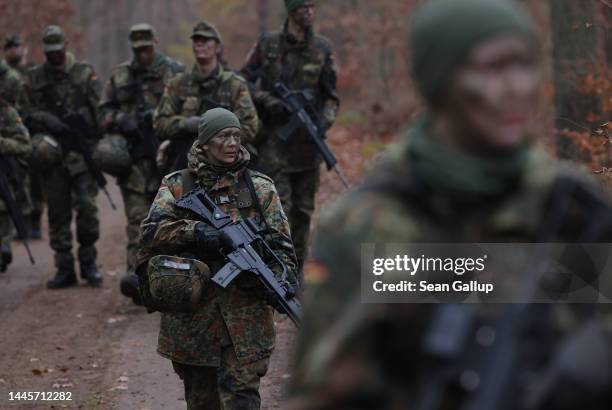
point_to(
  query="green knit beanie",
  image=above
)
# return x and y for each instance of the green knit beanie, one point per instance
(444, 31)
(291, 5)
(214, 121)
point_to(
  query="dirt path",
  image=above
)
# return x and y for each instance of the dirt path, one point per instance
(93, 342)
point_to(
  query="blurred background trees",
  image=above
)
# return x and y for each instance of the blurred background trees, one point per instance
(370, 40)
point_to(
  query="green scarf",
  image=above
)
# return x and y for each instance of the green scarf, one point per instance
(463, 176)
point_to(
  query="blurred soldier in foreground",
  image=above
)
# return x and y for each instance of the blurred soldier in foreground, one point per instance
(129, 149)
(467, 172)
(219, 340)
(60, 89)
(303, 61)
(208, 85)
(15, 55)
(14, 145)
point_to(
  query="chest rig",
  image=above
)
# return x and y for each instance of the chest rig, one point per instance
(240, 198)
(138, 90)
(201, 96)
(298, 65)
(54, 89)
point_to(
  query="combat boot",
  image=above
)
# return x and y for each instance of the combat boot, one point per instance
(64, 278)
(91, 274)
(129, 288)
(35, 231)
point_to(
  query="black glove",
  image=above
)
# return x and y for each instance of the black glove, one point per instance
(52, 123)
(127, 125)
(209, 239)
(292, 288)
(275, 110)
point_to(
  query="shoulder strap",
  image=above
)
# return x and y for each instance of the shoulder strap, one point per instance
(251, 187)
(188, 180)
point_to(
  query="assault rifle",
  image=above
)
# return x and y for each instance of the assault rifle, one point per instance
(296, 102)
(497, 364)
(73, 140)
(241, 255)
(7, 172)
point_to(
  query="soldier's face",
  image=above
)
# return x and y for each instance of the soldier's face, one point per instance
(144, 56)
(222, 149)
(205, 49)
(14, 53)
(492, 96)
(304, 16)
(56, 58)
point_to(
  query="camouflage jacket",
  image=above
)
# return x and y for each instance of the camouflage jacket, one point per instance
(185, 96)
(74, 87)
(306, 65)
(14, 140)
(21, 67)
(351, 352)
(237, 315)
(11, 84)
(135, 91)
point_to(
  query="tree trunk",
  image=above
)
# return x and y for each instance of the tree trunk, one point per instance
(574, 52)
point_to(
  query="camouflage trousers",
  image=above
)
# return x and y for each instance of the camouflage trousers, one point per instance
(6, 233)
(136, 206)
(65, 193)
(231, 386)
(297, 191)
(36, 193)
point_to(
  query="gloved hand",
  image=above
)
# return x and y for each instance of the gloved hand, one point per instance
(292, 288)
(209, 239)
(127, 124)
(275, 110)
(191, 124)
(52, 123)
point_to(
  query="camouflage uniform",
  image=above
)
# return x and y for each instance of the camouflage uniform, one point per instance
(294, 166)
(14, 143)
(120, 96)
(11, 84)
(192, 94)
(35, 184)
(223, 348)
(77, 86)
(375, 360)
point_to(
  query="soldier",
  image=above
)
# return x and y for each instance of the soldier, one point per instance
(59, 86)
(15, 54)
(302, 60)
(14, 144)
(11, 83)
(128, 151)
(189, 95)
(467, 172)
(222, 348)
